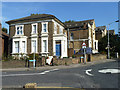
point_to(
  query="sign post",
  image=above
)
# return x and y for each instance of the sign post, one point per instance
(84, 47)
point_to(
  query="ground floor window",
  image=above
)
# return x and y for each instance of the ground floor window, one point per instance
(23, 46)
(33, 45)
(16, 46)
(45, 45)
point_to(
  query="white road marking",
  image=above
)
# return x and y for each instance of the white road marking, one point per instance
(42, 73)
(87, 72)
(109, 71)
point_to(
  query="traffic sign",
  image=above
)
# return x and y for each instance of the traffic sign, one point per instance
(83, 45)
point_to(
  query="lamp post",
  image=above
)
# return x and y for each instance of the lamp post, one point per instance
(108, 39)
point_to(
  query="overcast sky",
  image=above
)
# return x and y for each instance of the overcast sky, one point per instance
(103, 12)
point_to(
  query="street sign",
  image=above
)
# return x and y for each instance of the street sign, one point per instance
(83, 45)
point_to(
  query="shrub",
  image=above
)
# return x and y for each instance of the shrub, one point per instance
(73, 56)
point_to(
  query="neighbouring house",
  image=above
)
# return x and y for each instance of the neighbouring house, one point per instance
(100, 32)
(5, 40)
(0, 41)
(111, 32)
(43, 34)
(82, 31)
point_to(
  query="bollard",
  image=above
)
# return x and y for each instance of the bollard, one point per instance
(30, 85)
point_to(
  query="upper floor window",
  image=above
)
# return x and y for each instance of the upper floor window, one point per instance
(61, 31)
(71, 36)
(34, 28)
(19, 30)
(44, 27)
(55, 28)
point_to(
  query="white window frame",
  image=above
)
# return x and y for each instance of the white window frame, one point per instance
(32, 51)
(42, 46)
(43, 27)
(55, 28)
(45, 46)
(17, 47)
(19, 31)
(24, 47)
(60, 30)
(33, 28)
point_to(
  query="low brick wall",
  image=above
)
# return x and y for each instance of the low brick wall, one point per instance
(75, 60)
(98, 57)
(66, 61)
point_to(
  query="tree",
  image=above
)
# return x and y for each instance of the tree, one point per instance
(114, 44)
(4, 30)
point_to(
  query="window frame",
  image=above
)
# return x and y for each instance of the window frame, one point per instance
(34, 24)
(17, 50)
(18, 30)
(43, 23)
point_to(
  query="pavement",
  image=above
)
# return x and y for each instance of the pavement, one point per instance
(46, 67)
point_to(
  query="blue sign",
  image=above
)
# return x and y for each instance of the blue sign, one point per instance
(32, 60)
(87, 51)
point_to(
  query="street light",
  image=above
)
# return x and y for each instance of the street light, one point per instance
(108, 39)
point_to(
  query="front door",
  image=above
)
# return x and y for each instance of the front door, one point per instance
(58, 50)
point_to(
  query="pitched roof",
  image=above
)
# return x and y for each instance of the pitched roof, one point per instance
(100, 28)
(79, 24)
(34, 17)
(111, 31)
(5, 34)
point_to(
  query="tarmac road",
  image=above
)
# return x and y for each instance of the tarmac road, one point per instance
(87, 76)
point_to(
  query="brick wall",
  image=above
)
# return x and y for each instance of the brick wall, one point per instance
(27, 32)
(39, 38)
(50, 38)
(82, 34)
(66, 61)
(11, 34)
(98, 57)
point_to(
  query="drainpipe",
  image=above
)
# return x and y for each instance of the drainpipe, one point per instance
(68, 37)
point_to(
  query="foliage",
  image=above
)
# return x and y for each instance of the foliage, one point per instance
(114, 44)
(31, 56)
(73, 56)
(4, 30)
(9, 58)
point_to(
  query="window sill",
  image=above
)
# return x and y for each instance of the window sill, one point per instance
(44, 32)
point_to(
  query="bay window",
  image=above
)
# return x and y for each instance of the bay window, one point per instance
(44, 45)
(33, 46)
(16, 46)
(23, 46)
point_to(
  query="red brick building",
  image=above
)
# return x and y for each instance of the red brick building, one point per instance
(82, 31)
(100, 32)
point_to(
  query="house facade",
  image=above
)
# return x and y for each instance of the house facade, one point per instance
(100, 32)
(40, 33)
(82, 31)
